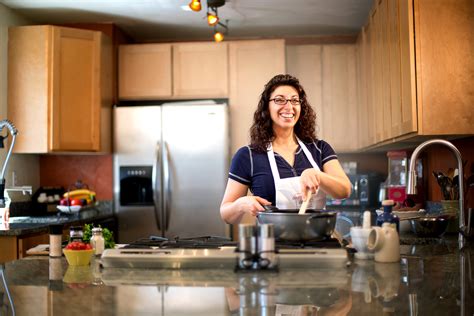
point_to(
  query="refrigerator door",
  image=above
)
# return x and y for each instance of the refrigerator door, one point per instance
(195, 166)
(137, 148)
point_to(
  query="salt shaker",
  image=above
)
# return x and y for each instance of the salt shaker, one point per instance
(266, 246)
(97, 241)
(55, 240)
(247, 245)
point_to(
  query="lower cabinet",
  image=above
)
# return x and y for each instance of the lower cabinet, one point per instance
(15, 247)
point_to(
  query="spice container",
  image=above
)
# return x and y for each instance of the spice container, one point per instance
(97, 241)
(266, 246)
(247, 245)
(55, 240)
(76, 233)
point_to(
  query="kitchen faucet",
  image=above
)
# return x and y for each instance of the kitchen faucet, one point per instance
(13, 131)
(411, 185)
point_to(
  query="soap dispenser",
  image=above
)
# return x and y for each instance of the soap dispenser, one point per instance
(387, 216)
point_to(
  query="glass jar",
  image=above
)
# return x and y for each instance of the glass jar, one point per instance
(97, 241)
(76, 233)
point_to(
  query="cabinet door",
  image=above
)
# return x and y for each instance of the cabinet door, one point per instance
(75, 93)
(252, 65)
(304, 62)
(200, 70)
(339, 104)
(144, 71)
(408, 118)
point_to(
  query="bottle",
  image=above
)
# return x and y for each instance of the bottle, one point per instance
(387, 216)
(97, 241)
(75, 233)
(55, 240)
(247, 245)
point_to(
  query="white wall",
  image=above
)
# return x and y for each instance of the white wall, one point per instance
(26, 167)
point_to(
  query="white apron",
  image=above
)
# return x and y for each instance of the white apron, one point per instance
(288, 190)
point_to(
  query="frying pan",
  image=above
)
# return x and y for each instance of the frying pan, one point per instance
(291, 226)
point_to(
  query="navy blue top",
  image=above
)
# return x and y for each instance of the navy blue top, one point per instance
(253, 169)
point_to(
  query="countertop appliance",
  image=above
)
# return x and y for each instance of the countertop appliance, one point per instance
(170, 168)
(213, 252)
(364, 194)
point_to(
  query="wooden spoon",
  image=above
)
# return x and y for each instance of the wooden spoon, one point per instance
(304, 205)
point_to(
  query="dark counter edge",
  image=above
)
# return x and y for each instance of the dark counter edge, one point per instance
(37, 225)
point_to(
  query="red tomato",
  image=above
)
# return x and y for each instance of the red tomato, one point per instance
(77, 245)
(76, 202)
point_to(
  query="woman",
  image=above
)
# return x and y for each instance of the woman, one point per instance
(284, 161)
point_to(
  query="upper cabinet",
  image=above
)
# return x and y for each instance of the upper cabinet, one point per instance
(60, 89)
(144, 71)
(252, 65)
(328, 75)
(173, 71)
(417, 85)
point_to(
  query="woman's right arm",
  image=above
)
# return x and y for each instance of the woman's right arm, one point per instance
(236, 202)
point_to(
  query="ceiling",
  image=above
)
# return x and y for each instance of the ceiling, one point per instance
(164, 20)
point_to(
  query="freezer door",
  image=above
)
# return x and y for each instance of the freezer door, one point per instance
(195, 166)
(137, 149)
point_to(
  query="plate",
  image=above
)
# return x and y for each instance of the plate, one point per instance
(69, 209)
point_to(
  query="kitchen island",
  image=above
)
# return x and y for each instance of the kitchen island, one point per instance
(22, 233)
(434, 279)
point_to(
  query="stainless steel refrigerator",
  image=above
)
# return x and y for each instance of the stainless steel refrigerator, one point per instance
(170, 169)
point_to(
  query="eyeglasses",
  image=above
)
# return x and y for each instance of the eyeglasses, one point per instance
(283, 101)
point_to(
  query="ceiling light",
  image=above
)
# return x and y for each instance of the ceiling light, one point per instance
(195, 5)
(212, 19)
(218, 37)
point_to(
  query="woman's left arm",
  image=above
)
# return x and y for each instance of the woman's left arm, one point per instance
(332, 180)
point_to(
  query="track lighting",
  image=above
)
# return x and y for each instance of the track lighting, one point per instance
(195, 5)
(218, 37)
(212, 19)
(212, 16)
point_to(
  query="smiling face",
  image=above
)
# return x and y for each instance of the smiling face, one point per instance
(284, 116)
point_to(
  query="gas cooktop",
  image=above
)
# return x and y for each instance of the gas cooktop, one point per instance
(218, 252)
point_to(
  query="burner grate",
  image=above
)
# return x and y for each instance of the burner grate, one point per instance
(325, 243)
(200, 242)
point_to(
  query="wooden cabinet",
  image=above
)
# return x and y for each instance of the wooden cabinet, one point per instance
(15, 247)
(339, 109)
(144, 71)
(252, 65)
(328, 74)
(60, 89)
(200, 70)
(418, 68)
(173, 71)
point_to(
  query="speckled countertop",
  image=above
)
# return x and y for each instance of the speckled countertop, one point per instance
(38, 224)
(428, 280)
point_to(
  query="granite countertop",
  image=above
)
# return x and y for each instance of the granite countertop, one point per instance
(38, 224)
(429, 279)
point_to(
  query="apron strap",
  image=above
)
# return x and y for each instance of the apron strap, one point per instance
(273, 165)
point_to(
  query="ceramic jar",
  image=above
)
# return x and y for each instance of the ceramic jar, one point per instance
(385, 243)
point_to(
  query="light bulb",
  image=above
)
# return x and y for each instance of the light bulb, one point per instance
(218, 37)
(195, 5)
(212, 19)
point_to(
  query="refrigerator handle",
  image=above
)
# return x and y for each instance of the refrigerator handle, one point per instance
(156, 186)
(167, 185)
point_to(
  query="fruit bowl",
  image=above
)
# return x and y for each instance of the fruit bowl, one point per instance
(69, 209)
(78, 257)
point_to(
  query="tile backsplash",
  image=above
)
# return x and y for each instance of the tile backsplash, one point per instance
(65, 170)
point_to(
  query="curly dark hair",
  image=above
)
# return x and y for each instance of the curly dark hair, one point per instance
(261, 131)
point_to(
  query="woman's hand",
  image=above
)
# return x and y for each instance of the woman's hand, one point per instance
(236, 203)
(251, 204)
(310, 181)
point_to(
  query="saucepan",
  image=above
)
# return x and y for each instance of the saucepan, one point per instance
(291, 226)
